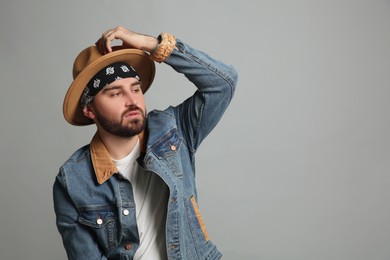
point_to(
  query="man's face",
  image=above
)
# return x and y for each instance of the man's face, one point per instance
(120, 109)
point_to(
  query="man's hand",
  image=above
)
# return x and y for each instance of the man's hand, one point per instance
(129, 40)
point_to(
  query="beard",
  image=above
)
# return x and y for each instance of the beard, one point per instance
(121, 128)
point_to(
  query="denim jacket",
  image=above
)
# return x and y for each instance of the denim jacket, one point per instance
(94, 205)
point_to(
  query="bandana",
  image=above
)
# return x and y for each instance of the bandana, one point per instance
(104, 77)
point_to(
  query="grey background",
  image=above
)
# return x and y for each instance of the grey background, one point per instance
(297, 169)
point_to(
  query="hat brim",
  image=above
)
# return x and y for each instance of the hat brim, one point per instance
(138, 59)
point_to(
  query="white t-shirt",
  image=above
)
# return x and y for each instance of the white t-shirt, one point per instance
(150, 196)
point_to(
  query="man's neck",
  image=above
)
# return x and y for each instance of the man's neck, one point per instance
(117, 147)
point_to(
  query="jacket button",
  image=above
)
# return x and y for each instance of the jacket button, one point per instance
(128, 246)
(173, 147)
(126, 212)
(99, 221)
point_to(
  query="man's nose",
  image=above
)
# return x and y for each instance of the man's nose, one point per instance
(131, 100)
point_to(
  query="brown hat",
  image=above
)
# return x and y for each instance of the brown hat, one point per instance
(89, 62)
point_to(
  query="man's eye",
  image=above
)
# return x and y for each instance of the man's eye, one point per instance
(115, 94)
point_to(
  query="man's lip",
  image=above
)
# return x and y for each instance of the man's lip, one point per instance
(133, 113)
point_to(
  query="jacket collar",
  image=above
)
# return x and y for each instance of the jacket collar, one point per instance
(102, 163)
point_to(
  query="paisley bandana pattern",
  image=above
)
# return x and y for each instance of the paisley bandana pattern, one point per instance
(104, 77)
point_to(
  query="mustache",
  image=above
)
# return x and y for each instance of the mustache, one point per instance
(133, 108)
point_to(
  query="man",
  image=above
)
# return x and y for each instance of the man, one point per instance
(130, 193)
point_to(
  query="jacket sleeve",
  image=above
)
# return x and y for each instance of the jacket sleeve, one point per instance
(79, 243)
(215, 83)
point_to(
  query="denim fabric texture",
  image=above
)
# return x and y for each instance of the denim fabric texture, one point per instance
(90, 214)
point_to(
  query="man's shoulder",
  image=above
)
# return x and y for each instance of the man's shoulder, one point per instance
(79, 155)
(161, 122)
(75, 168)
(169, 111)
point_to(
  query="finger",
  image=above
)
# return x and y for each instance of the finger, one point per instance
(107, 45)
(105, 41)
(109, 36)
(100, 43)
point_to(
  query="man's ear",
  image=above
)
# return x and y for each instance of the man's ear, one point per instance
(88, 112)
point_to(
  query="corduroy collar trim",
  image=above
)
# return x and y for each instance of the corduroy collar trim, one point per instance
(102, 163)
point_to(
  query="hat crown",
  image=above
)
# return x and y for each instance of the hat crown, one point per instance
(86, 57)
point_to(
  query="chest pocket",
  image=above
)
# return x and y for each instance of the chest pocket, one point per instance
(168, 149)
(103, 221)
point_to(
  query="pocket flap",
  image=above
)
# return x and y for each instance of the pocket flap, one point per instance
(97, 217)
